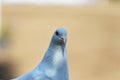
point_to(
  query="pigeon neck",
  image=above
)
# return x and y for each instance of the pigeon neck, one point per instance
(55, 59)
(55, 54)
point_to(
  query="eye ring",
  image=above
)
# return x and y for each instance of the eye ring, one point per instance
(57, 33)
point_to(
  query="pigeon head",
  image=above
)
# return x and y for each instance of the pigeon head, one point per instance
(60, 36)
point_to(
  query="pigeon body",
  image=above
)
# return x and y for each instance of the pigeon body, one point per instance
(54, 63)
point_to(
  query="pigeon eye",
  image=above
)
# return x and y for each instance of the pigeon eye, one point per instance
(57, 33)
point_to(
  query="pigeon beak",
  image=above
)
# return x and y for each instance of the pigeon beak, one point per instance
(63, 39)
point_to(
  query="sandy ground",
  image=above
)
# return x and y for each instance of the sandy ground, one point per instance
(93, 45)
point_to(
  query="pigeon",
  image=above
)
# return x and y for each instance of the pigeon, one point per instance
(54, 65)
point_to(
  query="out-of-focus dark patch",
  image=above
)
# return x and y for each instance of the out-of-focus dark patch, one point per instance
(6, 70)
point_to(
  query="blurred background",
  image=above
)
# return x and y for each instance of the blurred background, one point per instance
(93, 45)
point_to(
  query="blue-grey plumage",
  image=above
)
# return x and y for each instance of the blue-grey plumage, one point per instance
(54, 63)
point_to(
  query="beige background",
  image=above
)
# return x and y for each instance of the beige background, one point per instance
(93, 38)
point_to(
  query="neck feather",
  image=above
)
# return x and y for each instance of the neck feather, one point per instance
(55, 55)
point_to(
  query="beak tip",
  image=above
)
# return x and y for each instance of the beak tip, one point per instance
(63, 39)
